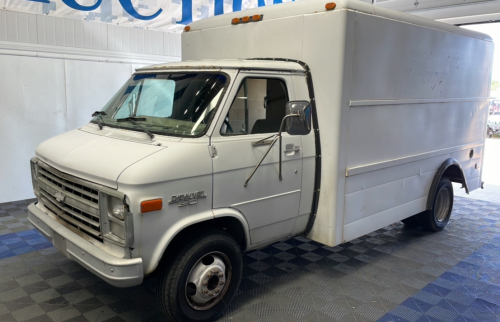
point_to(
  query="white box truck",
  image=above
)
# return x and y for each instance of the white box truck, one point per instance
(314, 118)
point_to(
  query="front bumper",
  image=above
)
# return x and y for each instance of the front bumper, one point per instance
(120, 272)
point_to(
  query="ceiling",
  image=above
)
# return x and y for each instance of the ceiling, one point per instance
(456, 12)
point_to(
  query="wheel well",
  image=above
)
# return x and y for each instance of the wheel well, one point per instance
(229, 224)
(455, 174)
(450, 169)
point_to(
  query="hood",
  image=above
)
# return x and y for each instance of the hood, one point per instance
(93, 157)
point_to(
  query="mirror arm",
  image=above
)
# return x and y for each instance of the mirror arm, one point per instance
(257, 166)
(277, 137)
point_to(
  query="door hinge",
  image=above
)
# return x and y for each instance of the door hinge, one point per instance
(212, 151)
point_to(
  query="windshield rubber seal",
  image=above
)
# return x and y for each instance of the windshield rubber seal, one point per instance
(209, 122)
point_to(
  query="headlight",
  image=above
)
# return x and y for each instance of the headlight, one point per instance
(117, 208)
(117, 221)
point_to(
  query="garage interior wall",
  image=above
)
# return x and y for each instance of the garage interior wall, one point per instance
(54, 73)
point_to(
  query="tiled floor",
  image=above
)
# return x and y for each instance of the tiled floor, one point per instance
(393, 274)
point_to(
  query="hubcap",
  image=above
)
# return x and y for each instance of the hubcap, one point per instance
(442, 204)
(208, 281)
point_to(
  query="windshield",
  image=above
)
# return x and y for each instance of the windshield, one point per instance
(178, 104)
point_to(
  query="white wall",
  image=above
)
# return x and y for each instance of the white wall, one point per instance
(49, 87)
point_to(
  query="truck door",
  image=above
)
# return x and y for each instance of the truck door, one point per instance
(254, 111)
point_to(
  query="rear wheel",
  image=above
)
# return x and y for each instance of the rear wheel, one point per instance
(203, 278)
(437, 218)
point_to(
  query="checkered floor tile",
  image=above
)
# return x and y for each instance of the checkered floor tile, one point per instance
(392, 274)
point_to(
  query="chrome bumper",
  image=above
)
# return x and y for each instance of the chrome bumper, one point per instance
(116, 271)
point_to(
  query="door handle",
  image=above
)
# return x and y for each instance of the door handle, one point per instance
(265, 141)
(261, 142)
(292, 149)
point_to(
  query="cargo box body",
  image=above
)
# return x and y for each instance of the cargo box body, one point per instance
(396, 96)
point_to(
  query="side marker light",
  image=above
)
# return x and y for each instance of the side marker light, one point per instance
(151, 205)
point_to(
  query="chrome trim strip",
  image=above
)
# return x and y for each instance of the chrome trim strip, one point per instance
(416, 101)
(260, 199)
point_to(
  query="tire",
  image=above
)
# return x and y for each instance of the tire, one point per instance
(411, 222)
(437, 218)
(213, 257)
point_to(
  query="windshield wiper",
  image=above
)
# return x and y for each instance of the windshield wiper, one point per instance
(99, 118)
(134, 121)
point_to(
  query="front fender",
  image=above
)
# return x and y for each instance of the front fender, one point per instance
(230, 212)
(168, 236)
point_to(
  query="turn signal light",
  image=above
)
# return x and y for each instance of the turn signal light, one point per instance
(187, 28)
(330, 5)
(235, 21)
(151, 205)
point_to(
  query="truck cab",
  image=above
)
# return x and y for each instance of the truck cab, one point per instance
(180, 150)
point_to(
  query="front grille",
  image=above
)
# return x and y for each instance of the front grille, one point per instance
(71, 199)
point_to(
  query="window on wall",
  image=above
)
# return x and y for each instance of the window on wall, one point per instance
(258, 107)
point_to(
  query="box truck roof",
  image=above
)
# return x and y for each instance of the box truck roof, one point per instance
(308, 7)
(227, 64)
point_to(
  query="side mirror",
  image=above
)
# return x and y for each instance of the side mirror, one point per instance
(301, 123)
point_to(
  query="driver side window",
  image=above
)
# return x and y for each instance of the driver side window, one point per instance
(258, 107)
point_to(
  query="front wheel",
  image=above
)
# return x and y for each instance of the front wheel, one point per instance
(202, 279)
(437, 218)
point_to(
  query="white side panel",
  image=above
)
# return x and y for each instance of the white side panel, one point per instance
(69, 32)
(32, 33)
(126, 40)
(242, 41)
(50, 30)
(330, 69)
(20, 27)
(397, 60)
(371, 201)
(12, 33)
(60, 34)
(40, 28)
(25, 124)
(419, 97)
(79, 34)
(411, 129)
(3, 25)
(369, 224)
